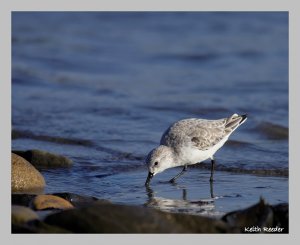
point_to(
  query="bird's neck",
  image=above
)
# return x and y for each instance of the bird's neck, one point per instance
(176, 161)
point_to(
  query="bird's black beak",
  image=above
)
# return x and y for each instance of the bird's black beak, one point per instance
(149, 177)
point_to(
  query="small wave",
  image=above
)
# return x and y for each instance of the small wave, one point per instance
(237, 143)
(102, 175)
(106, 170)
(200, 57)
(196, 110)
(17, 134)
(263, 172)
(233, 196)
(249, 54)
(116, 155)
(109, 111)
(273, 131)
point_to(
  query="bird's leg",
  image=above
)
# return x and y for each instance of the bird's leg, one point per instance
(212, 170)
(184, 194)
(178, 175)
(212, 189)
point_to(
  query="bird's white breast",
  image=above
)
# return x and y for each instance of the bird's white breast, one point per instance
(191, 155)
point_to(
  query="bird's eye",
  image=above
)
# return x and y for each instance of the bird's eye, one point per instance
(156, 163)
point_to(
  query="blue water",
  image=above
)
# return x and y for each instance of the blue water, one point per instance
(113, 82)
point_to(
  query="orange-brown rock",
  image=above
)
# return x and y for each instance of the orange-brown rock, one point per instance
(42, 202)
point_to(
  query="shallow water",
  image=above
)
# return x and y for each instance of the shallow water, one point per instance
(100, 88)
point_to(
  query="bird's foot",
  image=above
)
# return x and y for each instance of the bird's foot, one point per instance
(172, 181)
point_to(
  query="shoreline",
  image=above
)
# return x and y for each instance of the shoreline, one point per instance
(33, 211)
(85, 214)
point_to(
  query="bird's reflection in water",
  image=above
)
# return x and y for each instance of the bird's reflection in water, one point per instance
(203, 206)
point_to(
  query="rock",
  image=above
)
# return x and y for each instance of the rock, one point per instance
(113, 218)
(21, 214)
(24, 177)
(40, 158)
(75, 199)
(27, 200)
(202, 224)
(259, 215)
(100, 216)
(79, 200)
(281, 216)
(36, 226)
(42, 202)
(22, 199)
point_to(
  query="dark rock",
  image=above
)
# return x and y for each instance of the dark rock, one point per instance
(42, 202)
(100, 216)
(259, 216)
(36, 226)
(112, 218)
(21, 214)
(281, 216)
(17, 229)
(24, 177)
(40, 158)
(22, 199)
(202, 224)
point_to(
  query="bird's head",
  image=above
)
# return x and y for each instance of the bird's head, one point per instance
(158, 160)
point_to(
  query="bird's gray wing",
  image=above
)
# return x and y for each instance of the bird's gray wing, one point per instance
(209, 133)
(204, 137)
(201, 133)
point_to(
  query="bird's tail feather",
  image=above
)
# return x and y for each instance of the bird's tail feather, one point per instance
(234, 121)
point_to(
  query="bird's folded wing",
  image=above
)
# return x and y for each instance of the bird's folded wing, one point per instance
(204, 138)
(208, 133)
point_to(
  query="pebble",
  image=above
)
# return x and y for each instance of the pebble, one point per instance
(21, 214)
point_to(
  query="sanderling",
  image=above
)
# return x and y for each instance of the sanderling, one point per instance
(190, 141)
